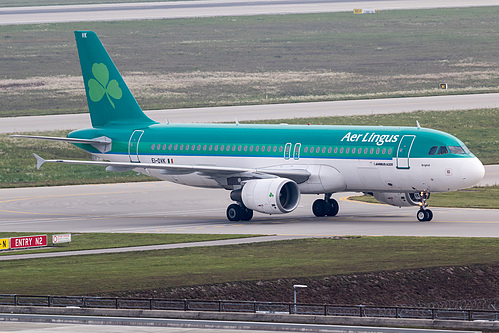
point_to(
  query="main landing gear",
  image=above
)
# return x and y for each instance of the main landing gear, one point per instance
(424, 215)
(326, 206)
(238, 212)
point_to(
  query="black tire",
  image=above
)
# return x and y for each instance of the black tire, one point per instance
(422, 215)
(334, 207)
(430, 215)
(320, 207)
(247, 214)
(234, 213)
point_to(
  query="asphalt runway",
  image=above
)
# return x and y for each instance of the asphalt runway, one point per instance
(209, 8)
(162, 207)
(270, 111)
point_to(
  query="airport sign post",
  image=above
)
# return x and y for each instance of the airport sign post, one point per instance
(28, 241)
(4, 244)
(63, 238)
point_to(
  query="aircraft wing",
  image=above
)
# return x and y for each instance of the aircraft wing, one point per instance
(298, 175)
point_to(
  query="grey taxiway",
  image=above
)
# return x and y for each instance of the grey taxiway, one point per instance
(169, 208)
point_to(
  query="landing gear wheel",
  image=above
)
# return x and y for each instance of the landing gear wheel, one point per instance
(247, 214)
(333, 207)
(430, 215)
(424, 215)
(320, 207)
(234, 213)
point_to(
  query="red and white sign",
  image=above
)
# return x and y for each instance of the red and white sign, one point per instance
(63, 238)
(28, 241)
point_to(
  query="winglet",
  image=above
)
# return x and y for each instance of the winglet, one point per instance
(39, 161)
(417, 123)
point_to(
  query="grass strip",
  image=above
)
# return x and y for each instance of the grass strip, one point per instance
(476, 197)
(241, 60)
(90, 241)
(108, 273)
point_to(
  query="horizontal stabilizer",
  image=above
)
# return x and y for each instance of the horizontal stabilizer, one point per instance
(103, 144)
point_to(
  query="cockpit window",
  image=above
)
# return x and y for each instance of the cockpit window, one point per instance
(443, 150)
(456, 150)
(433, 150)
(466, 150)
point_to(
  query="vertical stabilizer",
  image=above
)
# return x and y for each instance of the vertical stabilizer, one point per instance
(110, 102)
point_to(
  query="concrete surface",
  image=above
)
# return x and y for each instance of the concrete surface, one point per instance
(271, 111)
(231, 320)
(208, 8)
(169, 208)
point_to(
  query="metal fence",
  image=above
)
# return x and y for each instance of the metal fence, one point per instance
(249, 307)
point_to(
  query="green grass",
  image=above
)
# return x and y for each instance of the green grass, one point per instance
(18, 165)
(260, 261)
(476, 197)
(257, 59)
(90, 241)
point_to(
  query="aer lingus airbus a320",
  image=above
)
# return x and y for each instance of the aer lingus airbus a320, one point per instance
(266, 167)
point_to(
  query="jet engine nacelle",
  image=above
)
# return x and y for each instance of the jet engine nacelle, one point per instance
(271, 196)
(398, 199)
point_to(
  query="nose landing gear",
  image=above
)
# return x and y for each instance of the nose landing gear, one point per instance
(424, 215)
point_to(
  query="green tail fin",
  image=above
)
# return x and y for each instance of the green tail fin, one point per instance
(110, 102)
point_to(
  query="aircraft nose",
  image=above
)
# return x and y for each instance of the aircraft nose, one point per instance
(473, 171)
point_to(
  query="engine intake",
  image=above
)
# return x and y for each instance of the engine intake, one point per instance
(270, 196)
(398, 199)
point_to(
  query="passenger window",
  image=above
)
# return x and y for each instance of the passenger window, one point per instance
(442, 150)
(433, 150)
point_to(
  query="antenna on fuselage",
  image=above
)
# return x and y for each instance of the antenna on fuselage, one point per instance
(237, 122)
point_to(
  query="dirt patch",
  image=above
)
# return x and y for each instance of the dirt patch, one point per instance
(429, 286)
